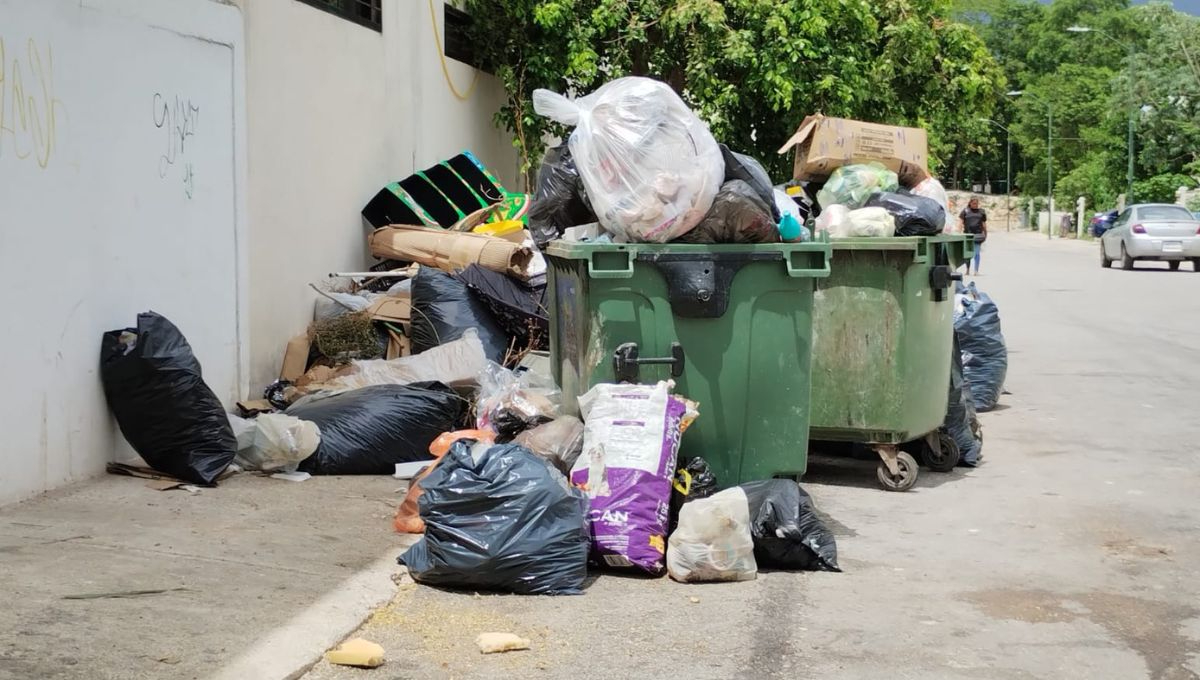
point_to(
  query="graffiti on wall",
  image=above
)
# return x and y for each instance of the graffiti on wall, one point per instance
(29, 110)
(179, 119)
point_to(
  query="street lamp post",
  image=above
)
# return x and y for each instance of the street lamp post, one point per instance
(1132, 105)
(1049, 157)
(1007, 171)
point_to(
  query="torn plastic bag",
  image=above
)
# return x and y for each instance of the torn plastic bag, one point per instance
(559, 441)
(738, 215)
(851, 185)
(408, 516)
(443, 308)
(518, 307)
(960, 420)
(500, 518)
(713, 541)
(279, 443)
(559, 201)
(984, 354)
(787, 532)
(153, 385)
(694, 480)
(915, 215)
(650, 165)
(630, 442)
(510, 402)
(367, 431)
(455, 363)
(749, 170)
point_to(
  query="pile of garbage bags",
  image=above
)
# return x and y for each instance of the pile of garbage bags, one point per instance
(643, 166)
(530, 512)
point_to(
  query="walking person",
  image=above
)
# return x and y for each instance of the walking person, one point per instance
(973, 220)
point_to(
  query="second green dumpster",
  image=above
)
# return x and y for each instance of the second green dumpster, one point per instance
(882, 336)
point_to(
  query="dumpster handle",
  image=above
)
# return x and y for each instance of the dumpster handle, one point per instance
(922, 253)
(624, 273)
(814, 272)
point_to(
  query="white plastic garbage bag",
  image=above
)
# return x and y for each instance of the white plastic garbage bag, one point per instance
(650, 166)
(841, 222)
(281, 442)
(713, 540)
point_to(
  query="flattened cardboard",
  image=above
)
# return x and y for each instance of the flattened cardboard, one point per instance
(825, 144)
(450, 251)
(295, 358)
(393, 309)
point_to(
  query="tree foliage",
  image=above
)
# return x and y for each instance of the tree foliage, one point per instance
(751, 68)
(1139, 62)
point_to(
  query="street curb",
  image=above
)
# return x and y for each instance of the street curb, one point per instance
(291, 650)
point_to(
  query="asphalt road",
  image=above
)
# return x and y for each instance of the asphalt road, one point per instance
(1068, 554)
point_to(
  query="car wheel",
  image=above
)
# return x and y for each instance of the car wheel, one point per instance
(1104, 259)
(1196, 264)
(1174, 265)
(1126, 261)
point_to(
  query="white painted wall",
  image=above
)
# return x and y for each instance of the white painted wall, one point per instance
(121, 158)
(336, 111)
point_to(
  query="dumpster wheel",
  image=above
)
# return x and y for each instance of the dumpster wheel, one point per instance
(897, 470)
(939, 451)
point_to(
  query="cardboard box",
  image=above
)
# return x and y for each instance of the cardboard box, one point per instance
(295, 358)
(826, 144)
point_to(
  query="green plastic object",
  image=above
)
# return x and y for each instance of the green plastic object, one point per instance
(730, 324)
(883, 325)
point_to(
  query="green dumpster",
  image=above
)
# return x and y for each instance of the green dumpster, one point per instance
(730, 324)
(882, 337)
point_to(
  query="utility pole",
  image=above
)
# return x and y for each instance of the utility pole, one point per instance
(1007, 172)
(1133, 108)
(1049, 157)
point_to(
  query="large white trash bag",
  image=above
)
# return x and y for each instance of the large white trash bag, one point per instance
(650, 166)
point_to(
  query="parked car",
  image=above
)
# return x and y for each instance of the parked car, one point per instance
(1101, 222)
(1152, 231)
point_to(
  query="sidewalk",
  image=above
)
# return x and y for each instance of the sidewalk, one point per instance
(260, 576)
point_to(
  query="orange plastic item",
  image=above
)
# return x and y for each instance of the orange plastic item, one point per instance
(441, 445)
(408, 517)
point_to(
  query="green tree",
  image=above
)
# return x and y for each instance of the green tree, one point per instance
(751, 68)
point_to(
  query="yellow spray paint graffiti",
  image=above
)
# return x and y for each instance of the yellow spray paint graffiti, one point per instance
(29, 111)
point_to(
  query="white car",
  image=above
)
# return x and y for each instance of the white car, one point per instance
(1152, 231)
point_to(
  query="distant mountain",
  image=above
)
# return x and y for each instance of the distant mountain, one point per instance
(1189, 6)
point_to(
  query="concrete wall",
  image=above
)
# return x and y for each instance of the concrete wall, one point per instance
(206, 159)
(121, 167)
(337, 111)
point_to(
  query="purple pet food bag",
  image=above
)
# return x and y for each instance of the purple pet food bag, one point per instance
(630, 440)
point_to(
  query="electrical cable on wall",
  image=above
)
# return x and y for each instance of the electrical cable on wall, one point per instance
(437, 40)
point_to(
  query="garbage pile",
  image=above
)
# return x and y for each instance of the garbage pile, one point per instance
(865, 179)
(431, 365)
(529, 499)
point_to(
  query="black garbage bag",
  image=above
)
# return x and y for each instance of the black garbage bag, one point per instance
(695, 479)
(749, 170)
(915, 215)
(559, 201)
(737, 215)
(443, 308)
(984, 354)
(368, 430)
(960, 412)
(786, 530)
(518, 307)
(153, 385)
(505, 521)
